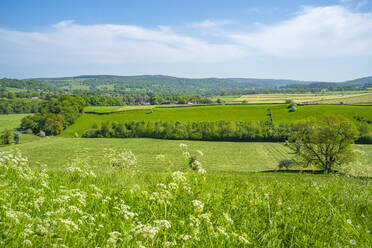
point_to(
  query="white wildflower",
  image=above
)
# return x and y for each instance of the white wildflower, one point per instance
(164, 224)
(182, 145)
(227, 217)
(243, 240)
(27, 243)
(178, 176)
(200, 153)
(198, 205)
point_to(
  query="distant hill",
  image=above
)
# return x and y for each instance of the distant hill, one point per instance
(29, 84)
(178, 85)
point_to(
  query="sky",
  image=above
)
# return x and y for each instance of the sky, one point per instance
(299, 39)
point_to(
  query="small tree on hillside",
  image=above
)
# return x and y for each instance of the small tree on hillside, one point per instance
(5, 137)
(16, 137)
(324, 142)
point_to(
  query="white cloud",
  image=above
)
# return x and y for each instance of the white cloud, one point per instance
(317, 32)
(210, 24)
(68, 42)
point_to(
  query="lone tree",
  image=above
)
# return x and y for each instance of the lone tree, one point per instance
(324, 142)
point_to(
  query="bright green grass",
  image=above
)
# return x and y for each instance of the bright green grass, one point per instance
(106, 87)
(10, 121)
(107, 109)
(280, 114)
(218, 156)
(102, 109)
(85, 205)
(11, 89)
(76, 87)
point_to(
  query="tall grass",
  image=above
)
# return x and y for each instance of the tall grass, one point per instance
(117, 204)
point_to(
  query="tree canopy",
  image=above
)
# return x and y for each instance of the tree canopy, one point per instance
(324, 142)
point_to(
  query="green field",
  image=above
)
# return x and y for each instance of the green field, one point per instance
(108, 109)
(79, 200)
(218, 156)
(14, 89)
(280, 114)
(10, 121)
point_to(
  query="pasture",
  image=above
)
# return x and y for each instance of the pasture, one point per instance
(81, 203)
(219, 157)
(334, 98)
(280, 114)
(11, 121)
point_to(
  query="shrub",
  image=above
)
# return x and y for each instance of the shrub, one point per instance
(292, 109)
(90, 133)
(76, 135)
(16, 137)
(5, 138)
(285, 163)
(29, 131)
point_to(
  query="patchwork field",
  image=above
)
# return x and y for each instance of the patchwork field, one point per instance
(349, 98)
(10, 121)
(280, 114)
(365, 99)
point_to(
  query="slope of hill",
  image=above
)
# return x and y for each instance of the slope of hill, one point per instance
(176, 85)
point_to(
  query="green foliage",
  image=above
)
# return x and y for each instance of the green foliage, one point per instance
(56, 115)
(16, 137)
(285, 163)
(324, 142)
(6, 137)
(16, 106)
(25, 84)
(219, 130)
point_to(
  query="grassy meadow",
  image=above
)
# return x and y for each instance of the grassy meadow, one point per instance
(219, 157)
(280, 114)
(10, 121)
(81, 204)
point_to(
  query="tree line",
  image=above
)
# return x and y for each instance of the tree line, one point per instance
(250, 131)
(17, 106)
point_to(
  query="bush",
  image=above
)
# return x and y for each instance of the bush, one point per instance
(76, 135)
(5, 138)
(292, 109)
(29, 131)
(285, 163)
(16, 137)
(90, 133)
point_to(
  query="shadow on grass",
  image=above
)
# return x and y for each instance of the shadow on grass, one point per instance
(315, 172)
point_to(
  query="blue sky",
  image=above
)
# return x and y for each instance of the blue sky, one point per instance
(307, 40)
